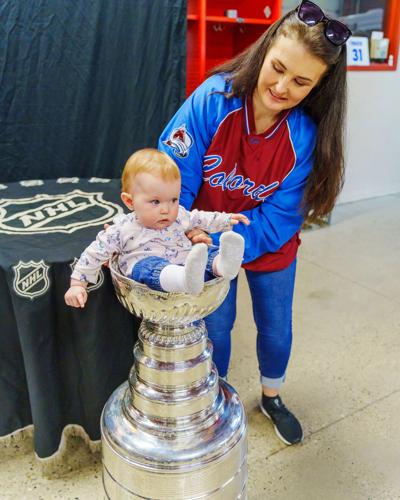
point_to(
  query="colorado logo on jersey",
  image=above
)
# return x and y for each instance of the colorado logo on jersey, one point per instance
(180, 141)
(232, 181)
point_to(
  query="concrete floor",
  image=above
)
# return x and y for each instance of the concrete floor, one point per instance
(343, 381)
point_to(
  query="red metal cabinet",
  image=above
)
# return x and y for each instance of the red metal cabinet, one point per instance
(212, 37)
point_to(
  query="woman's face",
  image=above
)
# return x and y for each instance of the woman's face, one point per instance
(287, 76)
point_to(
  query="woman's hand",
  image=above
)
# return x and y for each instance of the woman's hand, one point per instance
(197, 235)
(236, 218)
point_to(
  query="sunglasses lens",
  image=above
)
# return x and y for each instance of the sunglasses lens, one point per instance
(336, 32)
(310, 13)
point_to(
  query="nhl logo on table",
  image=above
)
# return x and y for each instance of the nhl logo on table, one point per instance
(55, 213)
(31, 279)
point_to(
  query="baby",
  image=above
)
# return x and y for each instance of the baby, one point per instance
(151, 241)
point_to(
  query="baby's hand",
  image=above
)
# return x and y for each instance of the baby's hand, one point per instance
(76, 296)
(236, 218)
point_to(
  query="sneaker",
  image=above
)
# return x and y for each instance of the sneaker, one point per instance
(287, 427)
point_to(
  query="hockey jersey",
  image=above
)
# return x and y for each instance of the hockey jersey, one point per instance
(226, 166)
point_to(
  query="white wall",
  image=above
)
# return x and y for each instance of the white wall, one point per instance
(373, 128)
(373, 135)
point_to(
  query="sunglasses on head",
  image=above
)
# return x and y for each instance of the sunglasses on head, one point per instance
(335, 31)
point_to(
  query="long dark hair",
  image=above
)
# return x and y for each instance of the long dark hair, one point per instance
(326, 104)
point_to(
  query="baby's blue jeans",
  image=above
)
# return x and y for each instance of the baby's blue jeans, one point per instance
(148, 270)
(272, 297)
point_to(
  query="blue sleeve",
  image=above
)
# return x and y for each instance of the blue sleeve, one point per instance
(280, 216)
(188, 135)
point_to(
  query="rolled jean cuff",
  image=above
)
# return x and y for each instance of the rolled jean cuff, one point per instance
(272, 383)
(212, 253)
(147, 271)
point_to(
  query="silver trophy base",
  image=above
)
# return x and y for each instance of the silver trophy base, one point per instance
(199, 460)
(173, 431)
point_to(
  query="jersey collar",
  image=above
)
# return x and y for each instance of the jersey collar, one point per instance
(250, 125)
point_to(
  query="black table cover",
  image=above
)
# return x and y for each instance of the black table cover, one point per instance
(58, 365)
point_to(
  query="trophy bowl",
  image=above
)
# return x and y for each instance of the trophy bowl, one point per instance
(167, 308)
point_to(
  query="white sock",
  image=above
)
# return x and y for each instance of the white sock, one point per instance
(228, 261)
(195, 267)
(172, 278)
(188, 278)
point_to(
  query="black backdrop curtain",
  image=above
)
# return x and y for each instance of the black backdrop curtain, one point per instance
(84, 83)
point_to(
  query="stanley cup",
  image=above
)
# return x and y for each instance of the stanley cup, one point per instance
(174, 430)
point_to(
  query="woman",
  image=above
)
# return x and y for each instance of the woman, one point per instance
(263, 136)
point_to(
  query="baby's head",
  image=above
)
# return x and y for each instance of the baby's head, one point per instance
(151, 184)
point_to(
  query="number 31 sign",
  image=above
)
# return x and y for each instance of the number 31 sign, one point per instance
(357, 51)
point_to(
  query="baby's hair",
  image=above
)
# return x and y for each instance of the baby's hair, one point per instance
(150, 161)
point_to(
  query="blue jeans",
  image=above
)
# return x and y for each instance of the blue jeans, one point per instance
(272, 298)
(148, 270)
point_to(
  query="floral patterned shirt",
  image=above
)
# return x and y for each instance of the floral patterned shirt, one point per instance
(133, 242)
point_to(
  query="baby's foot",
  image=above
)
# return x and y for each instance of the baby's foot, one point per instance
(230, 255)
(195, 267)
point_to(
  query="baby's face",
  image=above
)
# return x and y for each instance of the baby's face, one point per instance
(155, 201)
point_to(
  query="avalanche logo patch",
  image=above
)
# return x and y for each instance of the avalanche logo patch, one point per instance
(180, 141)
(31, 279)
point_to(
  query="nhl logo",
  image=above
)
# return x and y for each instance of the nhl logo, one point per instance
(31, 279)
(55, 213)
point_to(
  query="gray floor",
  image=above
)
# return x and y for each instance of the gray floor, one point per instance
(343, 381)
